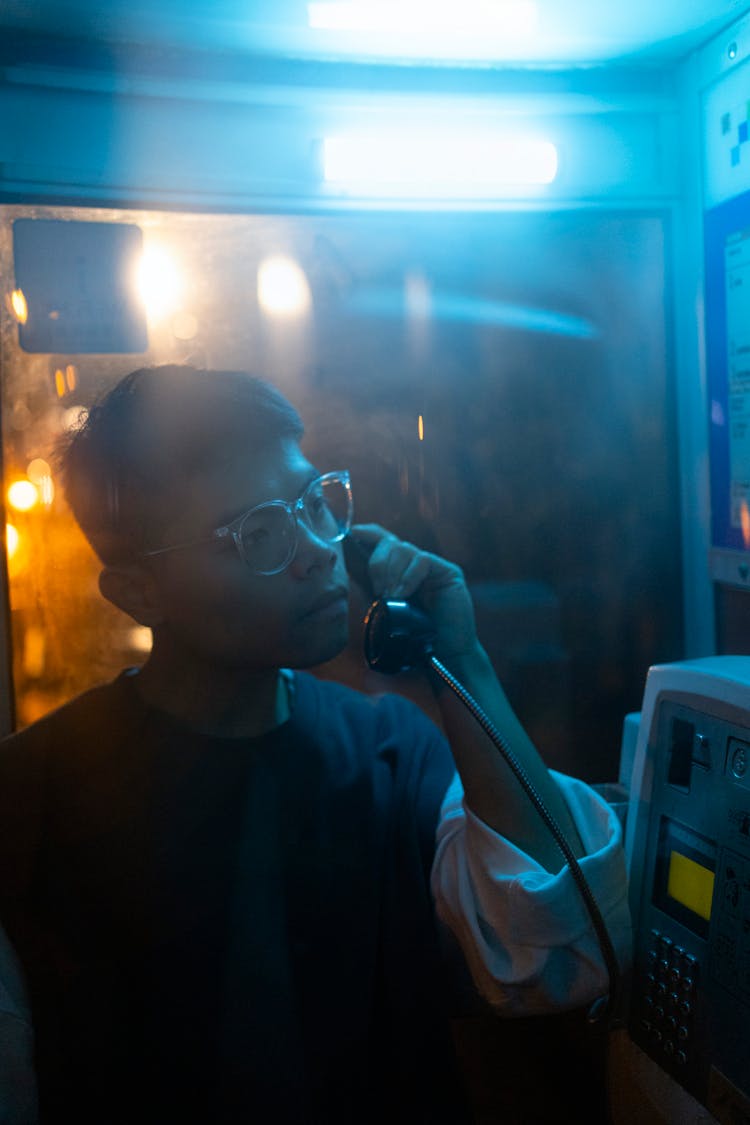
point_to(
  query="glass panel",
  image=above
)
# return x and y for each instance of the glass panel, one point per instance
(498, 386)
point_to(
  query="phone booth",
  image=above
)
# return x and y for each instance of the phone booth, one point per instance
(500, 274)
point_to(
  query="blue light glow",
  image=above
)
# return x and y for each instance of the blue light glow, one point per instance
(437, 163)
(511, 17)
(442, 30)
(474, 310)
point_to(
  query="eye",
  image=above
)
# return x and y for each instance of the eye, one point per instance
(266, 533)
(255, 536)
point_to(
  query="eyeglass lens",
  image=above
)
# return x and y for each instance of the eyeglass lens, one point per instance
(268, 534)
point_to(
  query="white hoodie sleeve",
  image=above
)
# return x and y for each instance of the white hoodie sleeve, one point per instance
(525, 933)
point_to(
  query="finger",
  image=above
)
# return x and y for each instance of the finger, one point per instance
(368, 533)
(412, 575)
(398, 568)
(388, 562)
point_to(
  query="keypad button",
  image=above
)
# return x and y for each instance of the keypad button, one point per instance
(669, 1046)
(675, 975)
(658, 1013)
(681, 1058)
(683, 1034)
(687, 984)
(686, 1009)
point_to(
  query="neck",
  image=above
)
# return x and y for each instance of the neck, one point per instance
(222, 701)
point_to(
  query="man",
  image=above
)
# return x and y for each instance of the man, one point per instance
(228, 882)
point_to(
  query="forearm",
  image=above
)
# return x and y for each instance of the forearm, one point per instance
(491, 789)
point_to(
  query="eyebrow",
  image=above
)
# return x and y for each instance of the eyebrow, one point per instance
(230, 517)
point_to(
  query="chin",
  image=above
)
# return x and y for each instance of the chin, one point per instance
(319, 651)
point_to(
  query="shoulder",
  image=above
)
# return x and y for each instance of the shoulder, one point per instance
(32, 763)
(385, 728)
(88, 715)
(383, 713)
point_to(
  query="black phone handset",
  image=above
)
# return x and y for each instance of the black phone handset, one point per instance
(398, 637)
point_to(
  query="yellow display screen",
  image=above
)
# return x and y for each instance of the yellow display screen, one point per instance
(691, 884)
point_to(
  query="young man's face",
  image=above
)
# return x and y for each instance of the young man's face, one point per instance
(212, 603)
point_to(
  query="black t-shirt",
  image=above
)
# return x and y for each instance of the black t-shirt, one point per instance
(230, 930)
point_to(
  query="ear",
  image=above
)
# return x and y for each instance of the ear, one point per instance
(132, 589)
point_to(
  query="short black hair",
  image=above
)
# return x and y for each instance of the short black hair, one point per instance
(153, 431)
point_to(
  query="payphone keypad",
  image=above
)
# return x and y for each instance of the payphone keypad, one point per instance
(668, 1006)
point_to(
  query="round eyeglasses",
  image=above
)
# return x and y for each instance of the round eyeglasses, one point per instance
(266, 536)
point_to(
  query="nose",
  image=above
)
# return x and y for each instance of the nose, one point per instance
(312, 553)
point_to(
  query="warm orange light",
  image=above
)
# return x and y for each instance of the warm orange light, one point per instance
(420, 428)
(22, 495)
(39, 473)
(745, 522)
(70, 377)
(60, 386)
(37, 469)
(140, 638)
(47, 491)
(34, 651)
(11, 539)
(19, 306)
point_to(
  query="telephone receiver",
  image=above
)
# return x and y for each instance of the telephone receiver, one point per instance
(398, 636)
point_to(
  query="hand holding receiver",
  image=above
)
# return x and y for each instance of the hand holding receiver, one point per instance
(398, 636)
(420, 601)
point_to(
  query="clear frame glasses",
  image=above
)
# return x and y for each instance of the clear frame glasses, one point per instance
(266, 536)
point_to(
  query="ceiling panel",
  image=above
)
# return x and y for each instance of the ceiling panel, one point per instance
(563, 32)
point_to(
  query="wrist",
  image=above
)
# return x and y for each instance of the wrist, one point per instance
(472, 668)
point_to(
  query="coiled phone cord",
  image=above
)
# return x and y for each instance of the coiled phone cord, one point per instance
(604, 1005)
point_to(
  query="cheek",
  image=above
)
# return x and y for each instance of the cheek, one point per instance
(228, 615)
(222, 603)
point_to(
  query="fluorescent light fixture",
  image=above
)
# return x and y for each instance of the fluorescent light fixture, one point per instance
(506, 17)
(436, 163)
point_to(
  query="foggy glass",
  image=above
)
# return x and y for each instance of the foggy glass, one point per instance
(499, 385)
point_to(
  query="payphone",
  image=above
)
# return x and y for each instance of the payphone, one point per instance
(688, 852)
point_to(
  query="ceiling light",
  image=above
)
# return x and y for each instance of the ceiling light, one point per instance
(436, 163)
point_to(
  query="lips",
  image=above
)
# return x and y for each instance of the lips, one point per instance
(327, 600)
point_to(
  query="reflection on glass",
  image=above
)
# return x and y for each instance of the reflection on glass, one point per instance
(159, 282)
(283, 289)
(745, 522)
(11, 540)
(19, 306)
